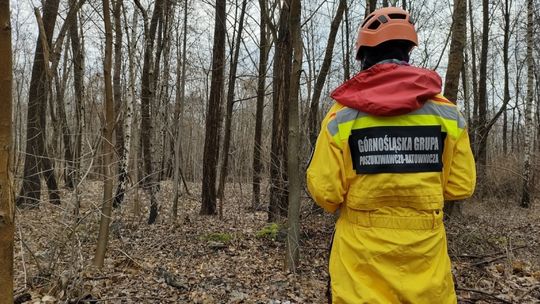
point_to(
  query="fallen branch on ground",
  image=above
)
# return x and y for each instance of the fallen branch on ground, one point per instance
(491, 296)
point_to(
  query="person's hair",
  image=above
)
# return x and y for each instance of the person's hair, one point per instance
(393, 49)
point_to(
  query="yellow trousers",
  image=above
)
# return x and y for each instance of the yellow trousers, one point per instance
(391, 255)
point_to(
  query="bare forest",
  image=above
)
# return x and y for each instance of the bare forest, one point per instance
(155, 151)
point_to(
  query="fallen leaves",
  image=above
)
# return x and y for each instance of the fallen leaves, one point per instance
(201, 259)
(496, 256)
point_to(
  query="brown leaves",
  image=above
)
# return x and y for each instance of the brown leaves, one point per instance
(496, 256)
(205, 260)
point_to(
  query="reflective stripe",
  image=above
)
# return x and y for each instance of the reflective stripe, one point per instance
(343, 116)
(461, 121)
(430, 108)
(333, 127)
(348, 114)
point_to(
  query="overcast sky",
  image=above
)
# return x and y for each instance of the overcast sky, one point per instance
(433, 19)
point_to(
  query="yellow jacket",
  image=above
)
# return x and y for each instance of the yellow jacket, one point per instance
(332, 180)
(390, 151)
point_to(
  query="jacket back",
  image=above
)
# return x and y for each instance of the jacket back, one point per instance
(391, 139)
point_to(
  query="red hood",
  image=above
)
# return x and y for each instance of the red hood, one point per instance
(389, 89)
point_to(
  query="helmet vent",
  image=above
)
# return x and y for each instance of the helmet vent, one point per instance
(367, 19)
(397, 16)
(374, 25)
(383, 19)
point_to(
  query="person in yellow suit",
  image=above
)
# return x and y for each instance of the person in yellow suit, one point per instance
(390, 151)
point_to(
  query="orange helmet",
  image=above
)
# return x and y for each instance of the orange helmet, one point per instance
(389, 23)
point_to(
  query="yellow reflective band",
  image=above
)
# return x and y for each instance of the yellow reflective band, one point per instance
(447, 125)
(337, 140)
(432, 113)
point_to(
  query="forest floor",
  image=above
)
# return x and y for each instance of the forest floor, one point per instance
(495, 248)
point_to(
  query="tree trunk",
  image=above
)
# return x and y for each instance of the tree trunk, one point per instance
(321, 78)
(36, 161)
(7, 208)
(455, 64)
(474, 72)
(128, 114)
(213, 114)
(261, 90)
(147, 98)
(506, 98)
(117, 89)
(528, 188)
(310, 78)
(484, 126)
(371, 5)
(466, 88)
(512, 131)
(164, 104)
(229, 109)
(78, 74)
(481, 140)
(295, 185)
(46, 168)
(107, 144)
(537, 81)
(347, 53)
(69, 170)
(160, 81)
(280, 121)
(457, 44)
(179, 117)
(60, 123)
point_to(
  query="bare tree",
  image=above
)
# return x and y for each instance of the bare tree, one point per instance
(321, 78)
(482, 125)
(229, 108)
(481, 140)
(160, 106)
(280, 121)
(506, 98)
(213, 115)
(295, 187)
(60, 119)
(474, 75)
(107, 146)
(261, 86)
(36, 161)
(455, 64)
(163, 107)
(528, 145)
(7, 208)
(371, 5)
(128, 113)
(457, 44)
(117, 91)
(60, 84)
(147, 98)
(78, 72)
(178, 114)
(346, 33)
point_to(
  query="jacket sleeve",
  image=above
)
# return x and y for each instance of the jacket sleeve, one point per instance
(462, 177)
(325, 173)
